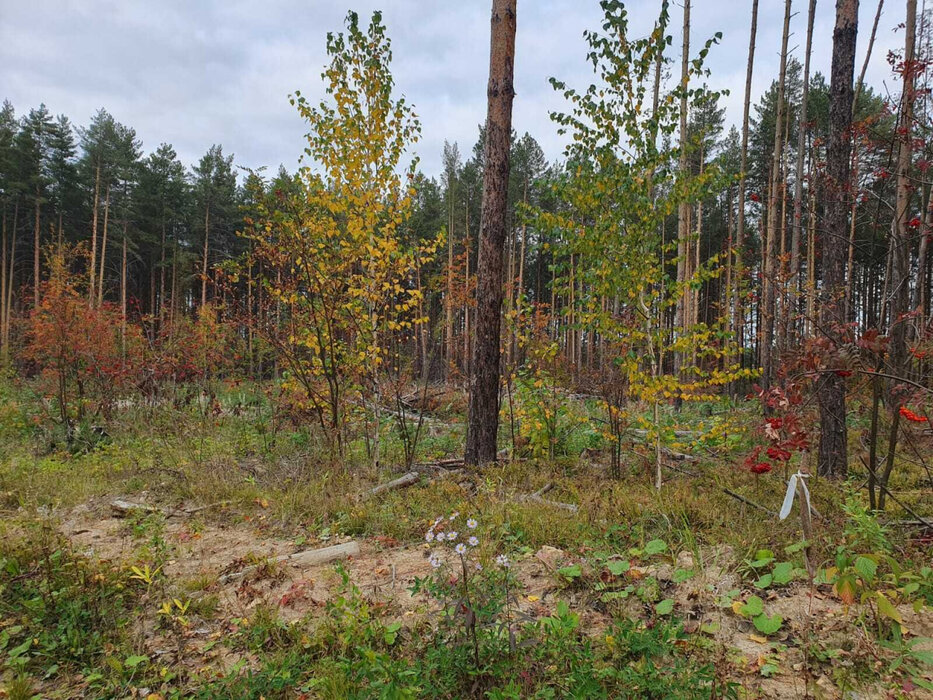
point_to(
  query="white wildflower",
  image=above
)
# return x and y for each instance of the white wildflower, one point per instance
(460, 548)
(471, 523)
(473, 541)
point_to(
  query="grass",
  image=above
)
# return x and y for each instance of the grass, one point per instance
(72, 626)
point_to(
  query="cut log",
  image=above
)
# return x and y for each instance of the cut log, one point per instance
(404, 480)
(309, 557)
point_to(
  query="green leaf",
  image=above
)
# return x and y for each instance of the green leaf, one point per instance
(655, 547)
(571, 572)
(768, 670)
(617, 567)
(783, 572)
(391, 633)
(886, 608)
(753, 606)
(681, 575)
(764, 581)
(21, 649)
(866, 568)
(134, 661)
(665, 607)
(768, 625)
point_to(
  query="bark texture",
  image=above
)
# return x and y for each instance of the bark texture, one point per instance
(832, 394)
(483, 418)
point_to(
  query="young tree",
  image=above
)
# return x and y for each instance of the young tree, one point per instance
(330, 245)
(623, 180)
(831, 394)
(483, 412)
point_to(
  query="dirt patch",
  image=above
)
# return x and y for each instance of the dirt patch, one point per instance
(200, 551)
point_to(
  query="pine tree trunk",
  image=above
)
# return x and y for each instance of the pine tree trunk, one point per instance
(794, 281)
(93, 265)
(769, 279)
(483, 422)
(682, 309)
(123, 296)
(900, 242)
(207, 229)
(465, 364)
(449, 299)
(737, 306)
(35, 251)
(8, 293)
(3, 272)
(161, 306)
(831, 395)
(103, 250)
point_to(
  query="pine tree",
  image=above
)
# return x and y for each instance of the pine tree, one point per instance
(483, 418)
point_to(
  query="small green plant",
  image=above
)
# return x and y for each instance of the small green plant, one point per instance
(754, 609)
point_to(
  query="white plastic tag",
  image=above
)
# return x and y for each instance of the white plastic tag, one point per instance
(792, 490)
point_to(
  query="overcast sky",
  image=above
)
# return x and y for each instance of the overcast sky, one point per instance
(197, 72)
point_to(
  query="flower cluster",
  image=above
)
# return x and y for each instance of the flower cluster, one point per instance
(443, 535)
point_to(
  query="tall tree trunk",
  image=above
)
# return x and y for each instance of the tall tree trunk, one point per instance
(93, 266)
(802, 128)
(833, 457)
(207, 230)
(920, 291)
(103, 250)
(521, 270)
(161, 306)
(123, 296)
(682, 312)
(737, 306)
(9, 290)
(871, 45)
(449, 299)
(35, 250)
(483, 421)
(769, 275)
(3, 273)
(853, 209)
(900, 242)
(465, 368)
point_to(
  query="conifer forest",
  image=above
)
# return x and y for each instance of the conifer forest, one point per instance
(646, 414)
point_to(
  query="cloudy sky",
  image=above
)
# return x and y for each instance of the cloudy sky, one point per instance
(197, 72)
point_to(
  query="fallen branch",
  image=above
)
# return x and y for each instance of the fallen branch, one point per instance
(747, 502)
(538, 497)
(309, 557)
(679, 434)
(407, 479)
(123, 508)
